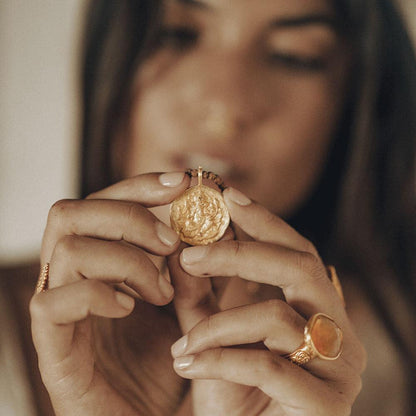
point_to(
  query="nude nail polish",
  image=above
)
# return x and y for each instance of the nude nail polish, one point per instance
(237, 197)
(179, 347)
(182, 363)
(194, 254)
(166, 235)
(171, 179)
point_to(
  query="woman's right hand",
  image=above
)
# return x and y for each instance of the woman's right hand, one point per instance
(92, 245)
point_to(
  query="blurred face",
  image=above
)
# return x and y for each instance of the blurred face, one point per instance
(251, 90)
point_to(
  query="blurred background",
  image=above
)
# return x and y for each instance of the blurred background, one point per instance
(39, 116)
(39, 43)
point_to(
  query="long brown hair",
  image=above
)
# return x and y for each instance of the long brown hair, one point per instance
(362, 215)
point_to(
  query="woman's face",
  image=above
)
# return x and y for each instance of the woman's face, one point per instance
(251, 90)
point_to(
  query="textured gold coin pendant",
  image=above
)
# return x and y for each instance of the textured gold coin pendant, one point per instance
(199, 215)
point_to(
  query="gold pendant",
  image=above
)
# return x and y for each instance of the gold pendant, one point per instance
(199, 215)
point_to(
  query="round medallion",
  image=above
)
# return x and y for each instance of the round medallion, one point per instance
(199, 215)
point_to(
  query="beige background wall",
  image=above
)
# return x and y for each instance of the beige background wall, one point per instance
(38, 116)
(38, 112)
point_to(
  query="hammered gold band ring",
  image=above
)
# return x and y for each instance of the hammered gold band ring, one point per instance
(43, 279)
(322, 338)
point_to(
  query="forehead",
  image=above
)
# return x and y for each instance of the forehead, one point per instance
(284, 7)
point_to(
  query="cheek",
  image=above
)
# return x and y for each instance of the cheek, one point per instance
(295, 142)
(151, 132)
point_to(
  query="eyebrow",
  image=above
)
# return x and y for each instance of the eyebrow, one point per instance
(195, 3)
(283, 22)
(305, 20)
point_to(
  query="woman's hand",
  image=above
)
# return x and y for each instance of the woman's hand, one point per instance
(92, 246)
(262, 381)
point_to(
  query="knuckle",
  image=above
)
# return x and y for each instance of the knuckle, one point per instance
(138, 261)
(92, 290)
(222, 355)
(93, 286)
(310, 265)
(37, 307)
(138, 269)
(65, 246)
(211, 326)
(357, 385)
(268, 364)
(133, 212)
(265, 364)
(133, 215)
(278, 310)
(357, 355)
(235, 247)
(269, 219)
(309, 247)
(60, 209)
(360, 357)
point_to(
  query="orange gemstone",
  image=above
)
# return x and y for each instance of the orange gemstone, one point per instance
(326, 337)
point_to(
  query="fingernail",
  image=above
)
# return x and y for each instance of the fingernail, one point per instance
(125, 301)
(165, 287)
(171, 179)
(237, 197)
(166, 234)
(182, 363)
(194, 254)
(179, 347)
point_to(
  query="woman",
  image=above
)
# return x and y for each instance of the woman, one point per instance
(305, 107)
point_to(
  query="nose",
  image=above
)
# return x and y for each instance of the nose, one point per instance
(226, 96)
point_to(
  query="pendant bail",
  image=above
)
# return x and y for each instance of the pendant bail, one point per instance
(199, 175)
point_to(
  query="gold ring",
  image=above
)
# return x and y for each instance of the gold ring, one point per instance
(332, 273)
(42, 284)
(322, 338)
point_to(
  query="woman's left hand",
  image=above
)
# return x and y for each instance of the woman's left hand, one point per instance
(266, 382)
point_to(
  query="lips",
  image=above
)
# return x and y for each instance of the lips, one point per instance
(230, 171)
(209, 163)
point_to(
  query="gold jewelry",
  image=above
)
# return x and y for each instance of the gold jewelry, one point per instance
(335, 281)
(200, 215)
(43, 280)
(322, 338)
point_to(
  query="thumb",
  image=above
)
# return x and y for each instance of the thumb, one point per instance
(194, 296)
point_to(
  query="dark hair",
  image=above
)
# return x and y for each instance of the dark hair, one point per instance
(362, 215)
(117, 36)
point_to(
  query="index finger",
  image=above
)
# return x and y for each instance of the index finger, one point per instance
(149, 189)
(117, 212)
(262, 225)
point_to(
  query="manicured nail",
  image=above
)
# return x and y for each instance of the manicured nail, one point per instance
(237, 197)
(182, 363)
(166, 234)
(179, 347)
(165, 287)
(171, 179)
(194, 254)
(125, 301)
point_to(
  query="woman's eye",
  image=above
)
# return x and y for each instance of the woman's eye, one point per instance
(297, 62)
(178, 38)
